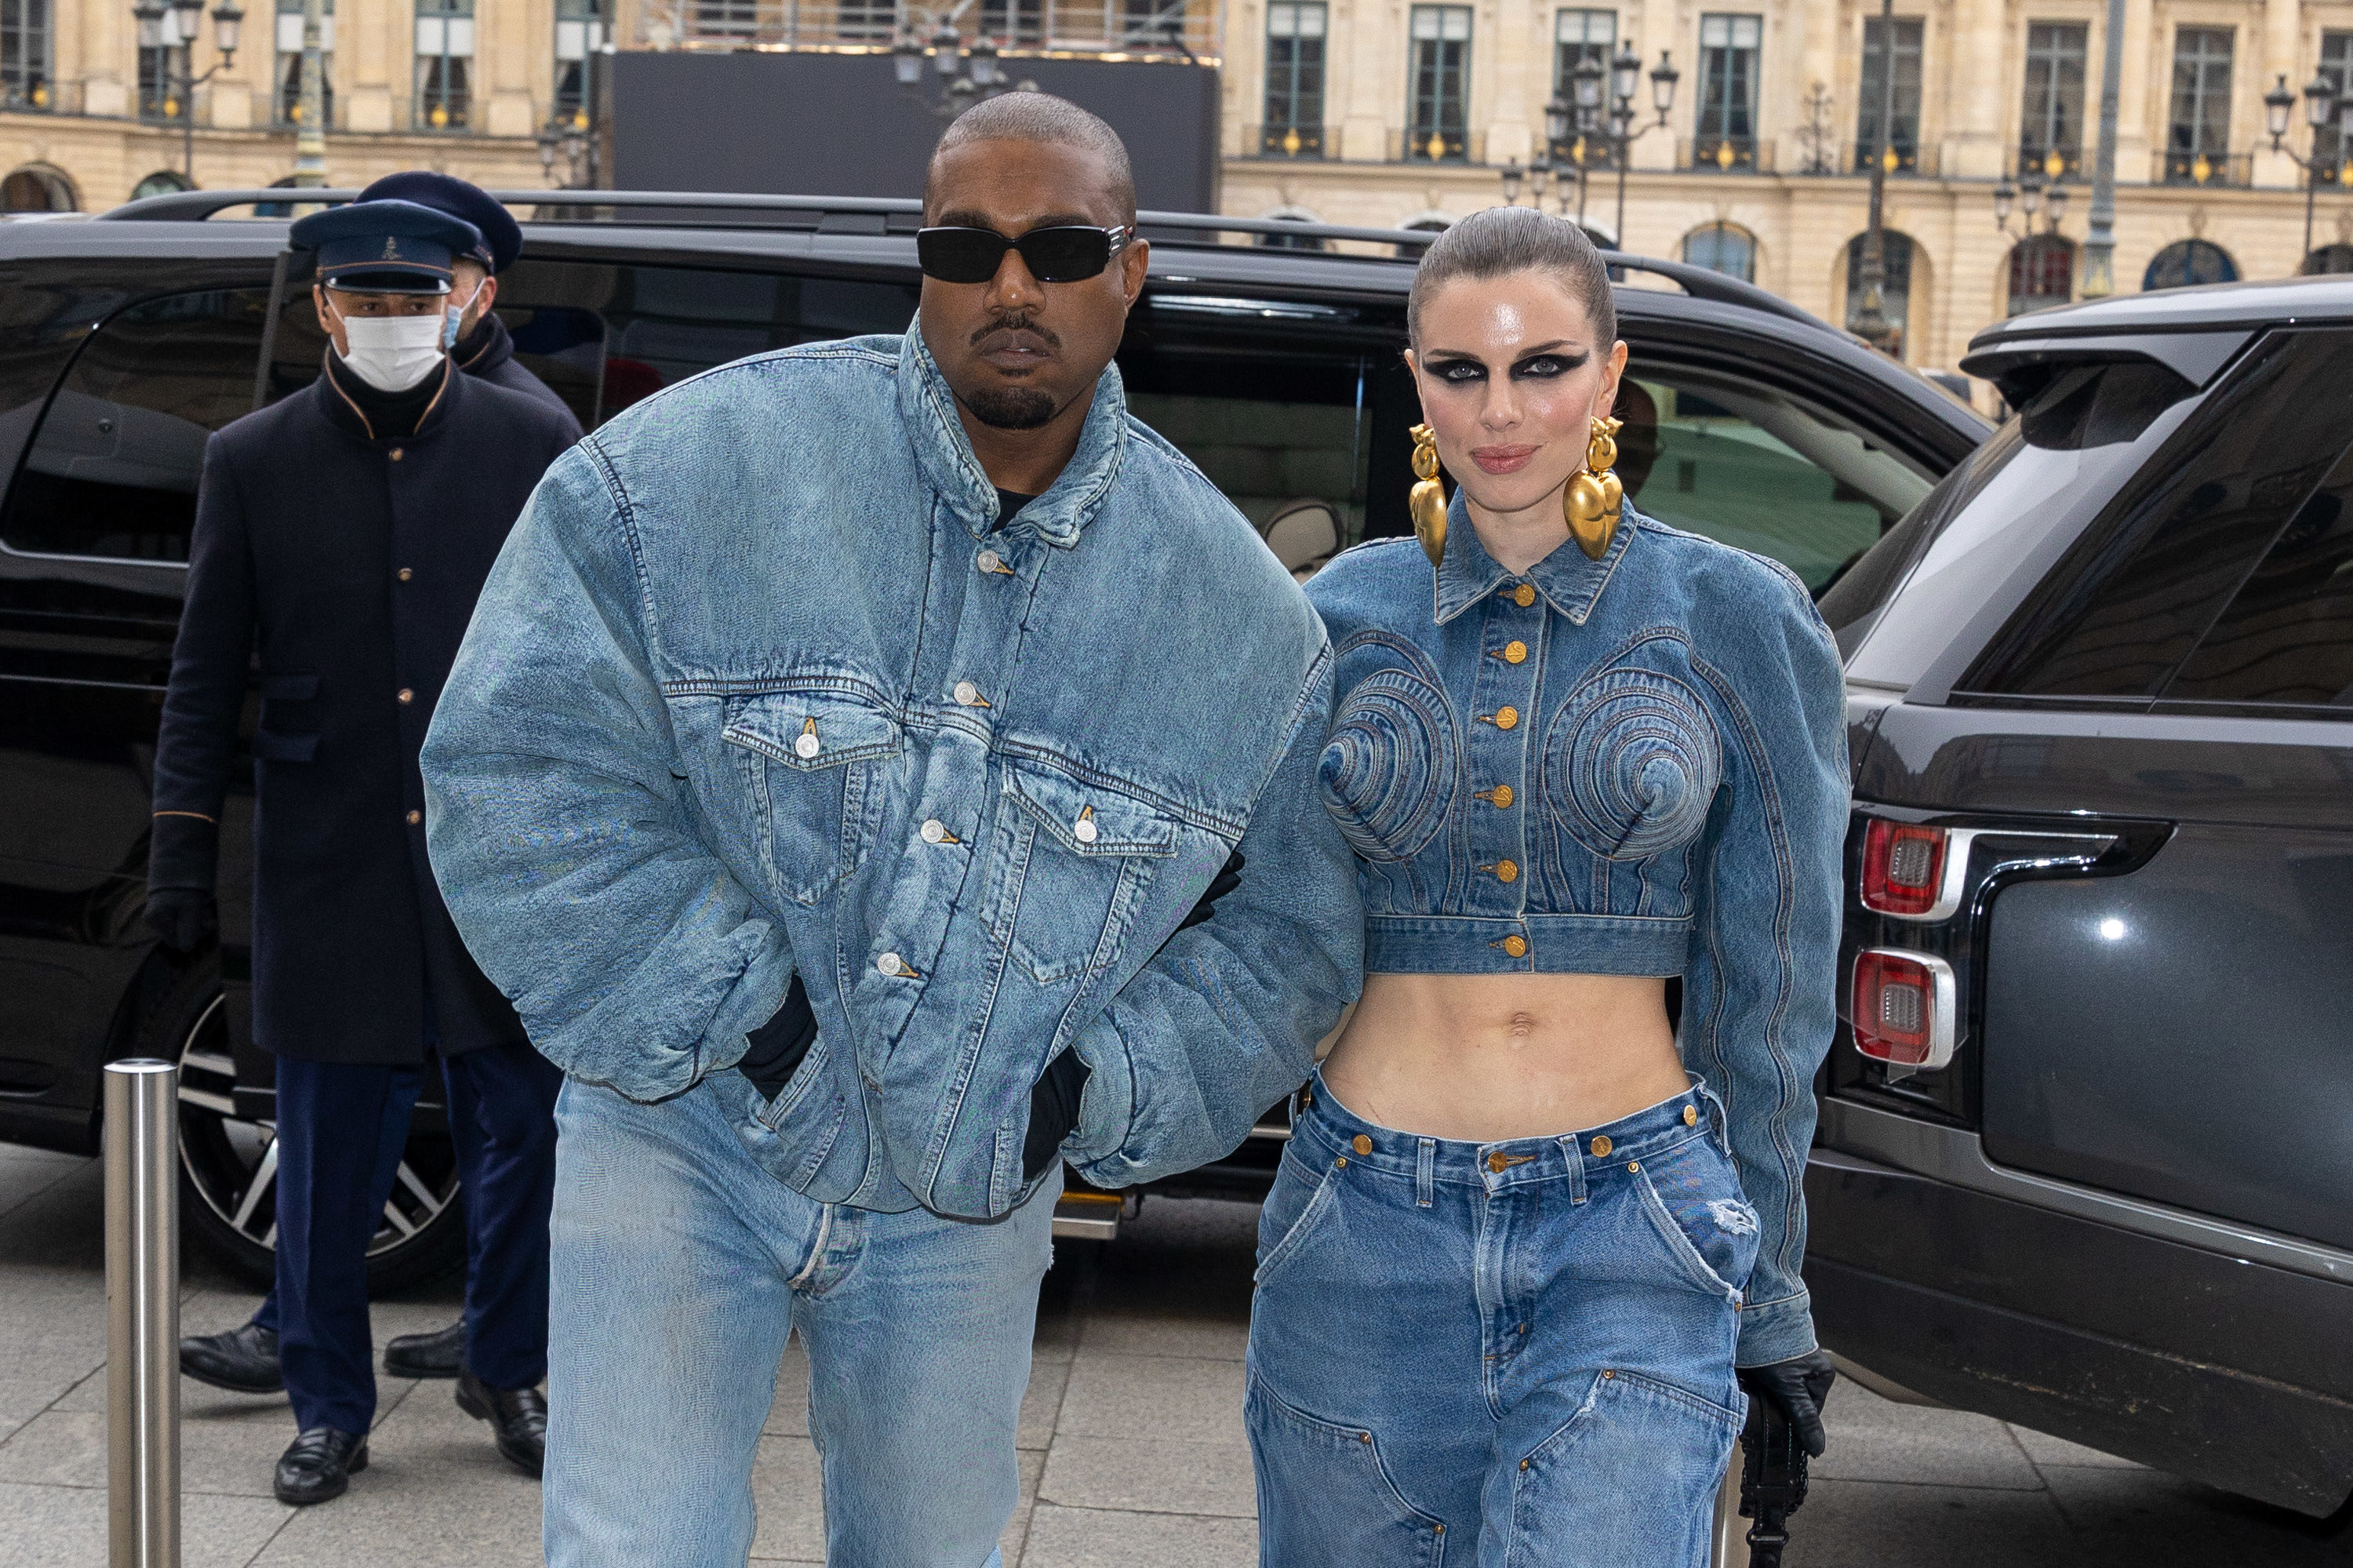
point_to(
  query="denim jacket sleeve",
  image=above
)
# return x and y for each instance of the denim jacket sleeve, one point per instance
(558, 821)
(1223, 1021)
(1760, 1002)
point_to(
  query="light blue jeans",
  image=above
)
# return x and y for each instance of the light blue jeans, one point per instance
(679, 1268)
(1506, 1355)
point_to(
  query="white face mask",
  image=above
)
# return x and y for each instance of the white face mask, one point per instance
(391, 354)
(456, 319)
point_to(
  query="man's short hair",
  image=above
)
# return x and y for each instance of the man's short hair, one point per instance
(1042, 117)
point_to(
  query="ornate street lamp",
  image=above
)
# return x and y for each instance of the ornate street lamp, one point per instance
(180, 86)
(1513, 175)
(2031, 195)
(965, 76)
(2323, 104)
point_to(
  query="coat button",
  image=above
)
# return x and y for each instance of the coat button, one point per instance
(1516, 653)
(890, 963)
(1506, 719)
(1501, 795)
(990, 561)
(967, 694)
(406, 695)
(415, 818)
(934, 831)
(1516, 945)
(394, 454)
(805, 745)
(1524, 595)
(1507, 871)
(1085, 829)
(403, 574)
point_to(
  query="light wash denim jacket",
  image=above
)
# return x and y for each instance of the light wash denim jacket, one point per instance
(754, 688)
(1633, 766)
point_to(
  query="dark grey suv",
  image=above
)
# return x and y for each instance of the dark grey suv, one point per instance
(2086, 1149)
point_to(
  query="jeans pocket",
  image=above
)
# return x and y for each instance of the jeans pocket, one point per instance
(1299, 1199)
(1637, 1466)
(1326, 1497)
(1692, 1195)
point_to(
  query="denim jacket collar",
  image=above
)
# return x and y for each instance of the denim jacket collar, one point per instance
(1570, 581)
(928, 409)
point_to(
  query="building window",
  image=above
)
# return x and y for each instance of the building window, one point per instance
(2052, 119)
(1904, 128)
(162, 67)
(1437, 129)
(2198, 134)
(1721, 248)
(579, 34)
(24, 53)
(163, 182)
(2338, 258)
(2330, 148)
(2041, 272)
(1726, 131)
(1014, 24)
(288, 109)
(445, 63)
(1894, 294)
(2188, 262)
(726, 18)
(1294, 80)
(34, 189)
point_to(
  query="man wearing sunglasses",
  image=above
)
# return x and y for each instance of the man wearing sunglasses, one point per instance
(845, 774)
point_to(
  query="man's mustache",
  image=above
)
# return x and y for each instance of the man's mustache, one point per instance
(1021, 322)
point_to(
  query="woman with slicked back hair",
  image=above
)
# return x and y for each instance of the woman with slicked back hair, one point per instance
(1535, 1241)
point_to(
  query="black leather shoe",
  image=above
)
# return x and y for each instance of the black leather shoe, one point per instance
(243, 1360)
(441, 1353)
(518, 1418)
(318, 1466)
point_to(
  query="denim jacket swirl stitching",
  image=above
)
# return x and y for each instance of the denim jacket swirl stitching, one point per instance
(745, 695)
(1633, 766)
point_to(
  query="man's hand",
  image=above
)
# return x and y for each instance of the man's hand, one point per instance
(1797, 1388)
(185, 918)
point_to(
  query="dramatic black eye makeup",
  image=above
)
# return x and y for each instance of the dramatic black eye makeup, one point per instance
(1543, 365)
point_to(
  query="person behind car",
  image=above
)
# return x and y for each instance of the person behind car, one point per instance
(480, 347)
(1523, 1231)
(343, 534)
(844, 738)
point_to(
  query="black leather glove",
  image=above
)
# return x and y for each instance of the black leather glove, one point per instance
(779, 1045)
(1797, 1389)
(1053, 1112)
(186, 918)
(1229, 877)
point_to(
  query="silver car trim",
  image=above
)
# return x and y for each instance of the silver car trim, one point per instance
(1958, 1156)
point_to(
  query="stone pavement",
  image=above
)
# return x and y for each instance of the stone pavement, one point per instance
(1132, 1448)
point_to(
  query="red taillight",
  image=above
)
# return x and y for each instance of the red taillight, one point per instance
(1903, 1011)
(1902, 868)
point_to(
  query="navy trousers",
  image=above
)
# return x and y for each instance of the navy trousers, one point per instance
(332, 1190)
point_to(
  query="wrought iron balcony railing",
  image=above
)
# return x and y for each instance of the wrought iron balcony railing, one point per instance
(2175, 168)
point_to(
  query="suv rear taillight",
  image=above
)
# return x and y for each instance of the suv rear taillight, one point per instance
(1911, 871)
(1905, 1007)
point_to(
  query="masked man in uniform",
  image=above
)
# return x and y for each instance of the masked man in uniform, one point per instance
(342, 535)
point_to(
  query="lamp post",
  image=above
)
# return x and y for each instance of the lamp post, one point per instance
(2321, 105)
(1600, 96)
(1872, 323)
(1513, 177)
(187, 15)
(2032, 196)
(965, 77)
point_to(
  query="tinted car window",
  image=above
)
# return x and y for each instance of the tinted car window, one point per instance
(666, 324)
(1750, 466)
(2287, 634)
(113, 470)
(2135, 595)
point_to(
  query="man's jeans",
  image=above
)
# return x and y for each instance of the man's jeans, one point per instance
(680, 1266)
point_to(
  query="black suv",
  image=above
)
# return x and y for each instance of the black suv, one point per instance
(125, 340)
(2086, 1149)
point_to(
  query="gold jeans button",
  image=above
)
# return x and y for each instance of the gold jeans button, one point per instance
(1602, 1146)
(1361, 1144)
(1691, 1116)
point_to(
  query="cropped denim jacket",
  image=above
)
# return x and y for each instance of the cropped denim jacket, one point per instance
(1633, 766)
(755, 689)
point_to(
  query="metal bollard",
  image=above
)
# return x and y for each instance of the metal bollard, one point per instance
(142, 1314)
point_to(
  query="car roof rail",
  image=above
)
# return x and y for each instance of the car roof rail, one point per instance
(1699, 282)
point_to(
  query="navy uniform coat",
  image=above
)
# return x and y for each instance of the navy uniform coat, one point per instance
(487, 353)
(350, 562)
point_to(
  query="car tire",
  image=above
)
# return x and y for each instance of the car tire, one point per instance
(228, 1161)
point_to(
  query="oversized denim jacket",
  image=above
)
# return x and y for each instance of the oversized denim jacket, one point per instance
(1633, 766)
(753, 688)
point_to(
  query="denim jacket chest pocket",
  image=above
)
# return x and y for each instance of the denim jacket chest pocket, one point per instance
(1068, 866)
(812, 761)
(1632, 764)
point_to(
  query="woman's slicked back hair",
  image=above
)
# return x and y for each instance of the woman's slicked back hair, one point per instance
(1501, 240)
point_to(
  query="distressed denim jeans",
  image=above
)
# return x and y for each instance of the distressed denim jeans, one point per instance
(1511, 1356)
(681, 1265)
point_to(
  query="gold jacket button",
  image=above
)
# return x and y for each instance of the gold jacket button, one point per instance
(1361, 1144)
(406, 695)
(1602, 1146)
(1507, 871)
(1516, 945)
(1524, 595)
(1516, 653)
(1506, 719)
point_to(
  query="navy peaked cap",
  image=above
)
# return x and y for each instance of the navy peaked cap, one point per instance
(501, 235)
(393, 247)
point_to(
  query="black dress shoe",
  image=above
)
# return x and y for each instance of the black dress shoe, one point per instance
(243, 1360)
(518, 1418)
(441, 1353)
(318, 1466)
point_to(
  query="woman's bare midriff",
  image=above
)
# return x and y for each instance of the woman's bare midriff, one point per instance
(1488, 1057)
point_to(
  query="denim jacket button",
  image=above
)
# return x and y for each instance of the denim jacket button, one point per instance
(890, 963)
(966, 693)
(990, 561)
(935, 831)
(805, 746)
(1085, 829)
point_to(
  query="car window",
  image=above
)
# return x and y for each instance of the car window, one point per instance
(666, 324)
(112, 471)
(2137, 594)
(1753, 467)
(2286, 636)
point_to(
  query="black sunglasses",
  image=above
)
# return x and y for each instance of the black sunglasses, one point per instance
(1060, 255)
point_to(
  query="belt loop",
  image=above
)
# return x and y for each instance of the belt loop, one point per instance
(1574, 1156)
(1425, 1162)
(1720, 1117)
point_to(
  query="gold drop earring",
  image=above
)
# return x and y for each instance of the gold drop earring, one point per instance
(1592, 500)
(1428, 501)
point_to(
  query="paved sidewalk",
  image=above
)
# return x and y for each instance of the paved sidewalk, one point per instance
(1132, 1448)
